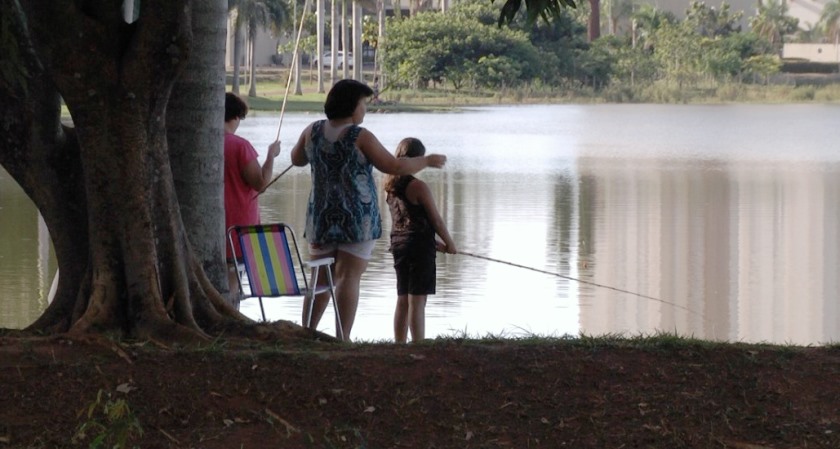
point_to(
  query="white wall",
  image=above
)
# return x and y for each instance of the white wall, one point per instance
(813, 52)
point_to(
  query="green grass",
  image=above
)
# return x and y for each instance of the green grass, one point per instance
(109, 423)
(659, 341)
(270, 96)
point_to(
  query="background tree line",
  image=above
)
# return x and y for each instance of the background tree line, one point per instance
(465, 47)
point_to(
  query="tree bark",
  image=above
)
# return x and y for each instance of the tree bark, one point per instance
(195, 115)
(594, 24)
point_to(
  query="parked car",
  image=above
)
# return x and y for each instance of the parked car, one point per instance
(326, 59)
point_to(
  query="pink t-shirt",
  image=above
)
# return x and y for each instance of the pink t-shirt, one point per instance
(241, 206)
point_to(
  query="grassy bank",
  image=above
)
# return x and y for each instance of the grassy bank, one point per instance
(271, 90)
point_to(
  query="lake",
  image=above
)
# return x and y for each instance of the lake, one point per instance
(719, 222)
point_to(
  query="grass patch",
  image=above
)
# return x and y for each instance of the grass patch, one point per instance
(109, 423)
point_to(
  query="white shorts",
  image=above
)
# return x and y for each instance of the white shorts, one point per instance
(362, 250)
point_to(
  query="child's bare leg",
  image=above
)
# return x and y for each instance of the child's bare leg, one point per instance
(417, 317)
(401, 319)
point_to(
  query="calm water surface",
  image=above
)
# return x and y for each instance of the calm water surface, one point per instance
(718, 222)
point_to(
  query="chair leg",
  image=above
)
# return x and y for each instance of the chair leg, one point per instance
(310, 297)
(339, 328)
(262, 309)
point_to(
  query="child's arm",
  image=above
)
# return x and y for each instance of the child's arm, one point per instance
(418, 192)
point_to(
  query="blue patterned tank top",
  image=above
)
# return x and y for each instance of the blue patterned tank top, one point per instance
(343, 206)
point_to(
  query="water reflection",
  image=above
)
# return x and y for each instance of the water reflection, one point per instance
(718, 222)
(733, 251)
(27, 263)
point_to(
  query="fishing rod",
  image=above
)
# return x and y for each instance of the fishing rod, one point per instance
(286, 94)
(275, 179)
(478, 256)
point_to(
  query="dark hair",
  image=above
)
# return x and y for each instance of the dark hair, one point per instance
(344, 97)
(408, 147)
(235, 107)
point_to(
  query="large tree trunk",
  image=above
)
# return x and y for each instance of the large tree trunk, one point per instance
(140, 276)
(194, 129)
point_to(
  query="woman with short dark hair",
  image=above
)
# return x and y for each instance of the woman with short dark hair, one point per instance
(342, 217)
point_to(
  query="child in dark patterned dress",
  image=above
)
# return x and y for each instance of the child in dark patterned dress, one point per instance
(415, 221)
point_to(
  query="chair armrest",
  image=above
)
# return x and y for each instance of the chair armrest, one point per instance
(320, 262)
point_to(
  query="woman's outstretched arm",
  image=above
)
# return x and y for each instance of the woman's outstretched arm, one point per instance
(385, 162)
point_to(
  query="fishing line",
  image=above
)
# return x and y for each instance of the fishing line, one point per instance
(478, 256)
(286, 94)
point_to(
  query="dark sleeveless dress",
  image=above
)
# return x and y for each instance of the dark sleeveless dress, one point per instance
(412, 242)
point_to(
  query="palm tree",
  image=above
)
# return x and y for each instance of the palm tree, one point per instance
(615, 11)
(773, 23)
(320, 12)
(809, 34)
(830, 20)
(254, 14)
(646, 20)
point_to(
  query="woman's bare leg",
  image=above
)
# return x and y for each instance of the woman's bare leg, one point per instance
(348, 275)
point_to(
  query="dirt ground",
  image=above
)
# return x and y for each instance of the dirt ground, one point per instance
(577, 393)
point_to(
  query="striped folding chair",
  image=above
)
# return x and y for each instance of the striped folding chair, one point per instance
(266, 254)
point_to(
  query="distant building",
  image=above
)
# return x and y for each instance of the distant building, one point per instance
(265, 47)
(813, 52)
(808, 12)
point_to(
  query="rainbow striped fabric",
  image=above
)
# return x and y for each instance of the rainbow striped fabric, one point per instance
(268, 260)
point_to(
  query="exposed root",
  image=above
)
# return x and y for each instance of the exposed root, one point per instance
(168, 332)
(275, 331)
